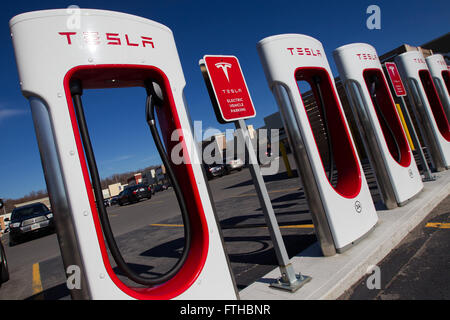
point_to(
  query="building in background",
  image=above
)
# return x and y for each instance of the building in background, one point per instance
(45, 201)
(154, 175)
(115, 189)
(135, 179)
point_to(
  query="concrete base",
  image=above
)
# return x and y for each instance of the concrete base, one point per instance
(332, 276)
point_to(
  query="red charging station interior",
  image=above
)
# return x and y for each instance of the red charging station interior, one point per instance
(387, 106)
(99, 76)
(446, 77)
(435, 103)
(348, 170)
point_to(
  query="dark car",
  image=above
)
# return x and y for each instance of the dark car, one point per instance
(166, 186)
(114, 200)
(134, 193)
(161, 187)
(215, 170)
(29, 220)
(4, 273)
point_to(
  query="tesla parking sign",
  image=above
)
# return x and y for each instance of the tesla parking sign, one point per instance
(396, 81)
(227, 88)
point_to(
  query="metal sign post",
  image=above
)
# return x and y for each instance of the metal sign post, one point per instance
(232, 102)
(289, 280)
(400, 92)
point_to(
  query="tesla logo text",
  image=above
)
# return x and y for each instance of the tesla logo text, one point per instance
(305, 52)
(224, 66)
(441, 62)
(231, 90)
(419, 60)
(366, 56)
(111, 39)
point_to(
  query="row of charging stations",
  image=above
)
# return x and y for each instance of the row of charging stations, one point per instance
(427, 106)
(378, 122)
(54, 76)
(344, 212)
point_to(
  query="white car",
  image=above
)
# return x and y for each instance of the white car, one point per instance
(234, 164)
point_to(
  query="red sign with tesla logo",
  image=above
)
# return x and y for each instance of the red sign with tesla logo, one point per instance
(395, 79)
(228, 89)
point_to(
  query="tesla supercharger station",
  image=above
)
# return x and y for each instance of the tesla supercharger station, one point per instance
(110, 50)
(427, 107)
(441, 76)
(344, 212)
(378, 122)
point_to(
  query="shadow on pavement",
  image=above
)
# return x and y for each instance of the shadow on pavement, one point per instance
(54, 293)
(275, 177)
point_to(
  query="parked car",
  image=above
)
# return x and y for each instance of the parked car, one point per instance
(214, 170)
(7, 222)
(29, 220)
(166, 186)
(114, 200)
(134, 193)
(4, 272)
(233, 164)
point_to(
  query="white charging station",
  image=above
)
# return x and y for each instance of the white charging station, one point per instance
(427, 107)
(378, 122)
(344, 212)
(107, 50)
(441, 76)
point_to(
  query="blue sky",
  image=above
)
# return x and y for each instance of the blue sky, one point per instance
(199, 27)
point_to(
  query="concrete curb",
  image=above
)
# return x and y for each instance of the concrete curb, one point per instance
(332, 276)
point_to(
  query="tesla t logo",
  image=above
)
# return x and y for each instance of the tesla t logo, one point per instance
(224, 66)
(358, 206)
(392, 71)
(110, 39)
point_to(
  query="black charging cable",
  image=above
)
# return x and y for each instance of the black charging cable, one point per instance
(373, 94)
(76, 91)
(155, 99)
(317, 81)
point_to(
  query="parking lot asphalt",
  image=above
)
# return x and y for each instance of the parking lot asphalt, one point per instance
(418, 268)
(150, 235)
